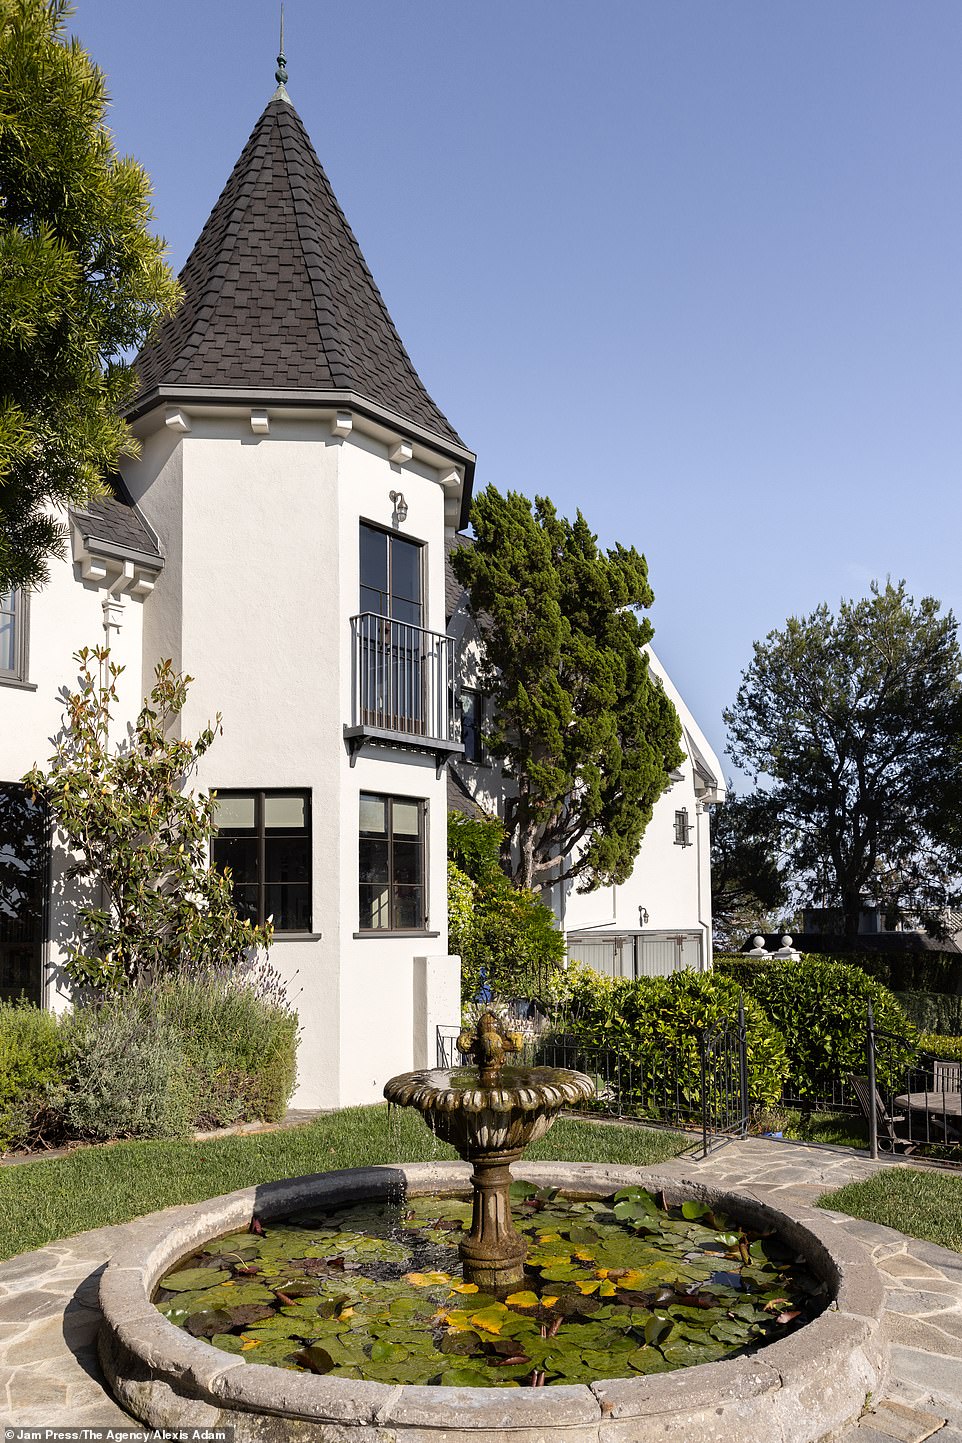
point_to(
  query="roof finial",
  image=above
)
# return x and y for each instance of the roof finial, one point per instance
(280, 74)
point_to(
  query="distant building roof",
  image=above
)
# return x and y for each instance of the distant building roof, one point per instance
(116, 522)
(279, 298)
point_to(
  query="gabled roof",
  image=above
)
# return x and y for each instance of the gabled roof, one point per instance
(116, 524)
(278, 297)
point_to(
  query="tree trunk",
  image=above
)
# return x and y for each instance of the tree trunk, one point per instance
(851, 910)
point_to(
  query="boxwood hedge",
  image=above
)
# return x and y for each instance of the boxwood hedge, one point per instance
(820, 1008)
(654, 1019)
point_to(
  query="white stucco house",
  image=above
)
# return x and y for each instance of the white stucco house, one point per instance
(281, 538)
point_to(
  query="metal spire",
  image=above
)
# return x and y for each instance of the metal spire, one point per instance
(280, 74)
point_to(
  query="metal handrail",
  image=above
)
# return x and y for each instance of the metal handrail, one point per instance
(402, 677)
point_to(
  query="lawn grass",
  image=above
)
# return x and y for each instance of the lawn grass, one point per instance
(924, 1204)
(97, 1186)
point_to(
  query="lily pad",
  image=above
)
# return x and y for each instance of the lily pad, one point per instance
(208, 1321)
(190, 1279)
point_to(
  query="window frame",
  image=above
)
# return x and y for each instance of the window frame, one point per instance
(682, 828)
(392, 930)
(17, 674)
(480, 759)
(259, 795)
(392, 535)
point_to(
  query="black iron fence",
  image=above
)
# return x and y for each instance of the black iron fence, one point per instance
(893, 1096)
(701, 1083)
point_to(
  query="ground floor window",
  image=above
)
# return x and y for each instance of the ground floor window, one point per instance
(391, 864)
(24, 868)
(264, 837)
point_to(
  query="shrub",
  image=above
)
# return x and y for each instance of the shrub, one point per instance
(239, 1048)
(820, 1008)
(656, 1018)
(906, 971)
(125, 1071)
(31, 1070)
(190, 1052)
(945, 1049)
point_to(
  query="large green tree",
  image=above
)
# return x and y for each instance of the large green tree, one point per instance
(585, 733)
(82, 283)
(854, 720)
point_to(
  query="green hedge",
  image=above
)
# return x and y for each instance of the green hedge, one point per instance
(147, 1062)
(943, 1048)
(125, 1072)
(932, 1011)
(820, 1008)
(31, 1071)
(240, 1051)
(649, 1020)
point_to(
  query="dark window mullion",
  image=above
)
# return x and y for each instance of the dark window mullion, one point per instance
(261, 857)
(391, 911)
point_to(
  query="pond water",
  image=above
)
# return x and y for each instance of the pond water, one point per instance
(613, 1288)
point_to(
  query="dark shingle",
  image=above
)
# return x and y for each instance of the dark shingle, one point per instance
(278, 294)
(116, 521)
(453, 590)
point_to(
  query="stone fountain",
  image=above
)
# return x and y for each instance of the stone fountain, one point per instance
(489, 1113)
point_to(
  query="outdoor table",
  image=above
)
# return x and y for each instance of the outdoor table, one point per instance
(938, 1107)
(931, 1101)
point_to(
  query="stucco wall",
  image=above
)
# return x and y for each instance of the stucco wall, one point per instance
(258, 602)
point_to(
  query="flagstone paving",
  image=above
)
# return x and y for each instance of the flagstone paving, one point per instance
(49, 1314)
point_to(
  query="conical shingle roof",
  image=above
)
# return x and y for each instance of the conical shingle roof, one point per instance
(279, 298)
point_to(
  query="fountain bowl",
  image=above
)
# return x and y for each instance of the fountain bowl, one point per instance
(502, 1117)
(803, 1388)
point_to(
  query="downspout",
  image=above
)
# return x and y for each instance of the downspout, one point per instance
(701, 810)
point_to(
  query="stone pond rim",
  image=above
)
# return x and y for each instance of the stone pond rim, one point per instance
(800, 1389)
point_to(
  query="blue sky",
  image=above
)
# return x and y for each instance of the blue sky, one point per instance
(691, 266)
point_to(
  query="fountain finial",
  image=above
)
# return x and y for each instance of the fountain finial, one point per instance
(489, 1045)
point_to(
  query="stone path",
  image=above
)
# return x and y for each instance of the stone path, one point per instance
(49, 1314)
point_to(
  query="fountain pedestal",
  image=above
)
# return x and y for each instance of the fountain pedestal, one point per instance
(493, 1253)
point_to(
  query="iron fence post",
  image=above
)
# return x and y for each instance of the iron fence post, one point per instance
(703, 1047)
(743, 1064)
(872, 1107)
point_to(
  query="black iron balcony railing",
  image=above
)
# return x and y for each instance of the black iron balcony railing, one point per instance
(402, 692)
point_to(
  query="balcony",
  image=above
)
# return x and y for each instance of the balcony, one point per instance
(402, 692)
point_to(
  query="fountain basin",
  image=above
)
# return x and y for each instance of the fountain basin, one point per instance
(799, 1389)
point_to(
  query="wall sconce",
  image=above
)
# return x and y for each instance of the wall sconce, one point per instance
(642, 916)
(400, 507)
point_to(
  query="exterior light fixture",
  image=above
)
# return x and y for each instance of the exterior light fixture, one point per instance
(400, 507)
(642, 916)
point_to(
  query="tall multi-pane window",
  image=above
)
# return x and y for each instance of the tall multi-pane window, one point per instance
(682, 828)
(391, 575)
(13, 636)
(265, 839)
(391, 864)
